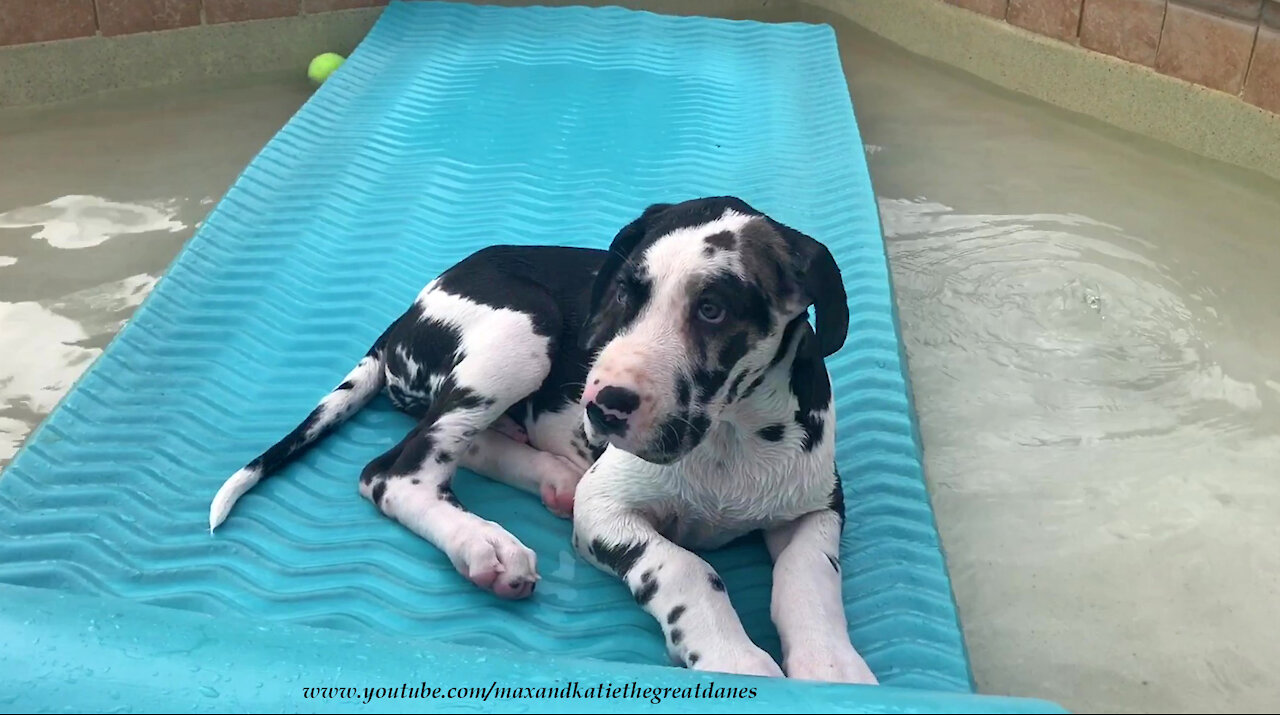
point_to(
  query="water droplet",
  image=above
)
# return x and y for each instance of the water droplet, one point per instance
(208, 692)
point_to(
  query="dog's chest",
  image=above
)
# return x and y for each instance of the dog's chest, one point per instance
(723, 494)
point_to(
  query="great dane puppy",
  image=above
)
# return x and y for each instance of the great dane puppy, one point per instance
(669, 394)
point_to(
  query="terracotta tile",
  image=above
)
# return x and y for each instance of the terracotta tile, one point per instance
(1055, 18)
(994, 8)
(1205, 48)
(235, 10)
(119, 17)
(1263, 85)
(41, 20)
(1128, 29)
(1240, 9)
(1271, 14)
(327, 5)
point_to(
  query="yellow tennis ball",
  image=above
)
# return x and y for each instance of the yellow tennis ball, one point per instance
(323, 66)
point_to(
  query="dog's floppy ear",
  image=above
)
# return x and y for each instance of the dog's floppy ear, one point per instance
(823, 287)
(619, 251)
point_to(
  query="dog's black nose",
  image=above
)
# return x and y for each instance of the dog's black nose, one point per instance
(618, 399)
(605, 423)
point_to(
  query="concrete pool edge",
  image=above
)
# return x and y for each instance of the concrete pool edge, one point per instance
(1128, 96)
(47, 73)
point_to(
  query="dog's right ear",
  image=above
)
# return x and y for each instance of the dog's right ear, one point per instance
(619, 253)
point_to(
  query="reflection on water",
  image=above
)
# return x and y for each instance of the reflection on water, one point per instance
(53, 344)
(85, 221)
(123, 179)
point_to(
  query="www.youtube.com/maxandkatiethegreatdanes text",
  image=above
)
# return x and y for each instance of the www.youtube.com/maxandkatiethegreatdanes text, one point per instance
(570, 690)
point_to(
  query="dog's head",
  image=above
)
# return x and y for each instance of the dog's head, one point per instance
(693, 301)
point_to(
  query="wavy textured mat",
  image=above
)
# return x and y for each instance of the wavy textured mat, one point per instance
(450, 128)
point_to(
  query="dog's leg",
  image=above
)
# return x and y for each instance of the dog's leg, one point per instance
(497, 456)
(680, 590)
(412, 483)
(808, 602)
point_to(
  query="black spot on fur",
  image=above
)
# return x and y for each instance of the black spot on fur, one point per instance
(378, 466)
(675, 614)
(698, 426)
(415, 481)
(694, 658)
(836, 501)
(619, 559)
(733, 350)
(788, 335)
(444, 458)
(648, 588)
(716, 583)
(734, 387)
(834, 563)
(677, 635)
(709, 382)
(346, 385)
(413, 453)
(724, 240)
(446, 494)
(772, 433)
(756, 310)
(683, 392)
(379, 490)
(756, 383)
(708, 251)
(812, 424)
(419, 351)
(812, 388)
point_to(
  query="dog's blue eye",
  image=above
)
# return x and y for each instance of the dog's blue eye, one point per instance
(710, 311)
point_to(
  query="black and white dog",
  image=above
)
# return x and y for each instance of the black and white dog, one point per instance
(673, 382)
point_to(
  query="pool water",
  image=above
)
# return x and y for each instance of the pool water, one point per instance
(1091, 321)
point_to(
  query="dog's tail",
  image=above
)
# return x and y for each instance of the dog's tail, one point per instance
(356, 390)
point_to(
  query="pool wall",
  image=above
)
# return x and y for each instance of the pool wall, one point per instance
(1202, 75)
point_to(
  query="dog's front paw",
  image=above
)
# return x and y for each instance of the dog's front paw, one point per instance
(558, 483)
(496, 561)
(831, 663)
(747, 659)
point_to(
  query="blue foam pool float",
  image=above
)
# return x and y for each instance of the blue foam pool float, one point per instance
(451, 127)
